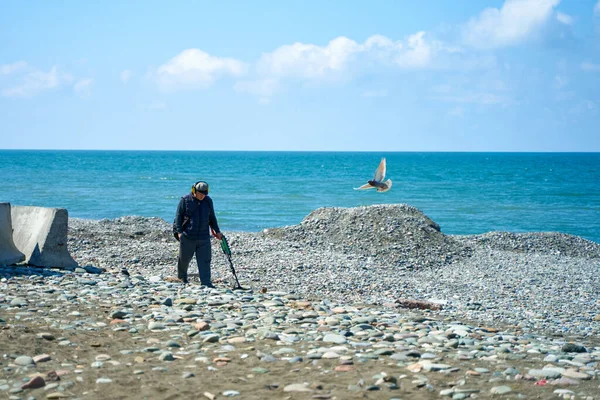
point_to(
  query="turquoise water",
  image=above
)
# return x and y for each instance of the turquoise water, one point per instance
(465, 193)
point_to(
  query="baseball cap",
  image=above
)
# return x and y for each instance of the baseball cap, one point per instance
(201, 187)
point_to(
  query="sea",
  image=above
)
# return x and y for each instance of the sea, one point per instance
(465, 193)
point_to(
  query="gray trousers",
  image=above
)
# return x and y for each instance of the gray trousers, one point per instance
(187, 249)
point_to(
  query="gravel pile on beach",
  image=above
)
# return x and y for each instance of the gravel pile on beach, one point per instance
(122, 242)
(395, 235)
(325, 315)
(551, 243)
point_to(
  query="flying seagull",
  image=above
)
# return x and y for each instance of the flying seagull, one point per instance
(377, 182)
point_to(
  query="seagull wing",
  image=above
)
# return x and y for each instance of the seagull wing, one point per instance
(365, 187)
(380, 172)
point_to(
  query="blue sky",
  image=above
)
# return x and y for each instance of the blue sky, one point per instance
(514, 75)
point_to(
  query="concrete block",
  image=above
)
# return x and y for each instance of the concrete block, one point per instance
(41, 234)
(9, 254)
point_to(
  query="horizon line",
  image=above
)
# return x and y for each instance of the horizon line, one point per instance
(319, 151)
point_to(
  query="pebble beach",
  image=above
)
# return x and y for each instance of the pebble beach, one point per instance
(329, 311)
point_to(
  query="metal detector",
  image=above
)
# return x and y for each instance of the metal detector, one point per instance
(227, 252)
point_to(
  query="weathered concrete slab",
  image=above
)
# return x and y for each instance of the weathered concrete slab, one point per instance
(41, 234)
(9, 254)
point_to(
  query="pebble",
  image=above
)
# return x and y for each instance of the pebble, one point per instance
(35, 383)
(24, 361)
(500, 390)
(297, 387)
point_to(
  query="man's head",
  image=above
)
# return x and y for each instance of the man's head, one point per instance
(200, 189)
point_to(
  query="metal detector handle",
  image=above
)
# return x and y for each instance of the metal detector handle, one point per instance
(224, 243)
(225, 246)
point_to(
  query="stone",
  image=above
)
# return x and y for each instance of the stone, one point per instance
(34, 383)
(40, 358)
(24, 361)
(573, 348)
(547, 373)
(333, 338)
(570, 373)
(500, 390)
(297, 387)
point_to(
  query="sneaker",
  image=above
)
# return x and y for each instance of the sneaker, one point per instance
(210, 285)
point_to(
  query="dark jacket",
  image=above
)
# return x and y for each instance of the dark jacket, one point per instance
(194, 217)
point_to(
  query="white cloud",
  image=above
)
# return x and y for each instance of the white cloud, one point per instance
(25, 80)
(590, 67)
(339, 60)
(83, 87)
(515, 22)
(310, 61)
(7, 69)
(193, 68)
(564, 18)
(125, 76)
(343, 56)
(35, 81)
(382, 42)
(418, 52)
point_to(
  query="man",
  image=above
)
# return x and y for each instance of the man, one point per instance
(195, 214)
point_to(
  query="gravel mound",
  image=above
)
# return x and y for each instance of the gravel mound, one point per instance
(122, 242)
(553, 243)
(392, 234)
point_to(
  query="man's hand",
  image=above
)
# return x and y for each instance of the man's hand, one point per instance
(215, 234)
(179, 235)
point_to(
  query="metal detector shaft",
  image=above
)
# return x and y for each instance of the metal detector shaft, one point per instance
(234, 274)
(227, 252)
